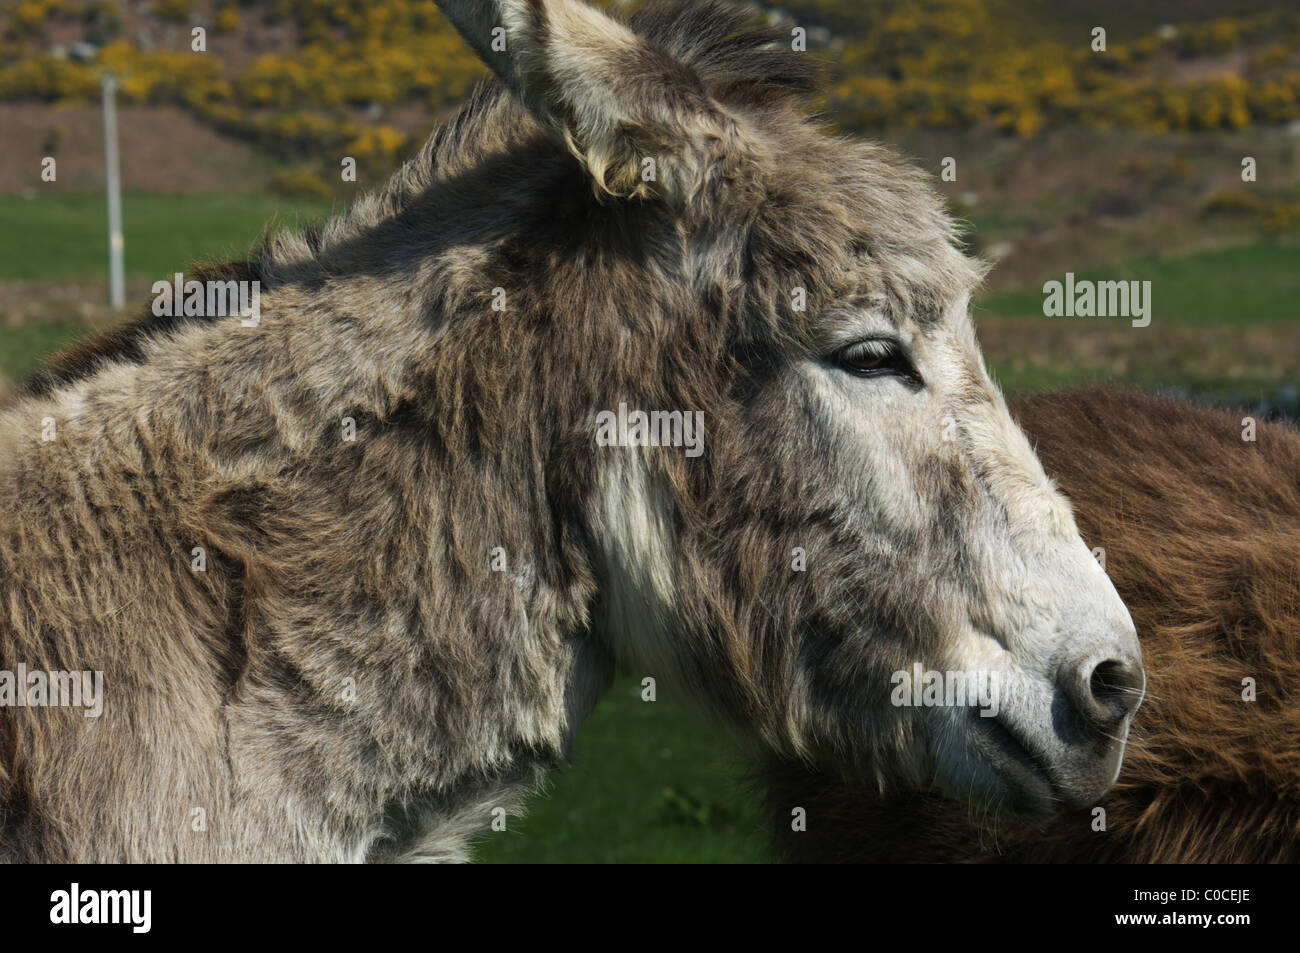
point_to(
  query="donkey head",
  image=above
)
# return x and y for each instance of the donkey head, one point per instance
(819, 514)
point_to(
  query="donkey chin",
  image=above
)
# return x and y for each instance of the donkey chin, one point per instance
(1048, 730)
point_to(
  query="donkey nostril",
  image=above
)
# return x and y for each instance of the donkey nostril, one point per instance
(1105, 693)
(1115, 688)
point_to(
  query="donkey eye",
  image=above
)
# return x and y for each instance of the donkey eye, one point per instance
(875, 358)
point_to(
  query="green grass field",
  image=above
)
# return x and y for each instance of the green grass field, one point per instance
(1246, 284)
(652, 782)
(54, 236)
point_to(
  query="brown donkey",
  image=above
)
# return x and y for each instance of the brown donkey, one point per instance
(1201, 535)
(634, 363)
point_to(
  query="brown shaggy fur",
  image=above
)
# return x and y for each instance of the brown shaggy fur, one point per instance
(1201, 532)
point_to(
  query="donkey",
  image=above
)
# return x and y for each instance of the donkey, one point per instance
(355, 572)
(1201, 534)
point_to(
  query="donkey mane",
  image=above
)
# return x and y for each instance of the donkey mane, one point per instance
(1201, 532)
(128, 342)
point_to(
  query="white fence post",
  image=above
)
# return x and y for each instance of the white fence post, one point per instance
(116, 292)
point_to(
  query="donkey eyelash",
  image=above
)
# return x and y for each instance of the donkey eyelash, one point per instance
(876, 358)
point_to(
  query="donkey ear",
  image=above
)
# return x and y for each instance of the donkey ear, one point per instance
(640, 121)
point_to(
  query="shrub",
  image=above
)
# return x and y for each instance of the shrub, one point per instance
(301, 182)
(1231, 202)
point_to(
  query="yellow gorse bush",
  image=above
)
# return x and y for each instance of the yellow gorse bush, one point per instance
(952, 62)
(894, 62)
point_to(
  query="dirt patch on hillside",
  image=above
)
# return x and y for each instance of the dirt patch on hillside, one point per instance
(162, 149)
